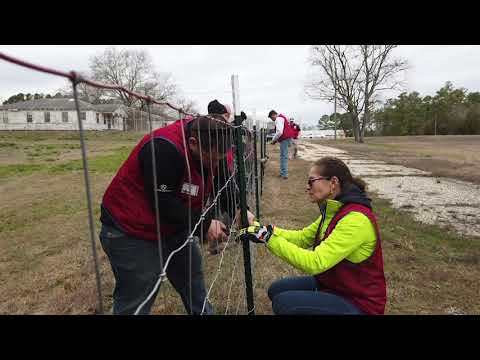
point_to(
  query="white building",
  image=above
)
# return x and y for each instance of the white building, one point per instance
(112, 116)
(139, 120)
(322, 134)
(61, 114)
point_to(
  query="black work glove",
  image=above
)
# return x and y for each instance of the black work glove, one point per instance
(256, 233)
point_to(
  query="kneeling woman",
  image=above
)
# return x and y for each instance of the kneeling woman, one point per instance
(341, 250)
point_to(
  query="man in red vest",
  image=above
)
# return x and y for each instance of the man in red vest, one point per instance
(296, 131)
(215, 107)
(189, 156)
(283, 134)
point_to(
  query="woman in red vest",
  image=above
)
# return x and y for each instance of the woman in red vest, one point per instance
(341, 251)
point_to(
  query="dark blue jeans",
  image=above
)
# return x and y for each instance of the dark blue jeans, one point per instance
(300, 296)
(136, 268)
(284, 156)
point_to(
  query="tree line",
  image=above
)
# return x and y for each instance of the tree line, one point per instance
(451, 111)
(26, 97)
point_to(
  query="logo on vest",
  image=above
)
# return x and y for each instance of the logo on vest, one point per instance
(190, 189)
(163, 188)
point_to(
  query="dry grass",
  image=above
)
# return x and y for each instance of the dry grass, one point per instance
(46, 265)
(49, 151)
(455, 156)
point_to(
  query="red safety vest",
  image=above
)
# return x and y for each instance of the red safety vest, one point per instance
(296, 130)
(363, 284)
(288, 132)
(127, 201)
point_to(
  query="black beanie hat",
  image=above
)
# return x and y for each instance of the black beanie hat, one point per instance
(214, 107)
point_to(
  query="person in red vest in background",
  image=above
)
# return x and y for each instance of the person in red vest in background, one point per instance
(216, 108)
(284, 135)
(341, 251)
(189, 155)
(296, 130)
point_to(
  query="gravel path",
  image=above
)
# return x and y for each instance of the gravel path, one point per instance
(432, 200)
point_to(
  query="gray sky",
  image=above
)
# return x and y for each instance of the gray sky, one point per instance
(270, 77)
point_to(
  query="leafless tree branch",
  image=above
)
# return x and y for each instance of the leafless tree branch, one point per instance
(357, 73)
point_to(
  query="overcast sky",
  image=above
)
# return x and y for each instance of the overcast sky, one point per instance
(270, 77)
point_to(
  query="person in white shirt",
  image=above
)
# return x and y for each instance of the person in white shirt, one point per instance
(284, 135)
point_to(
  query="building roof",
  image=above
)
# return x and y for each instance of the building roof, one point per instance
(109, 107)
(68, 104)
(48, 104)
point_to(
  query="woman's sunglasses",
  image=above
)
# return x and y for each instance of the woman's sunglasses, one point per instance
(310, 181)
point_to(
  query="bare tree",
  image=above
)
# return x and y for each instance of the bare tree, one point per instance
(189, 106)
(86, 92)
(379, 73)
(132, 69)
(355, 74)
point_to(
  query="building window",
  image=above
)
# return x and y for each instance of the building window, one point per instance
(29, 117)
(5, 117)
(83, 116)
(104, 121)
(46, 116)
(64, 116)
(98, 118)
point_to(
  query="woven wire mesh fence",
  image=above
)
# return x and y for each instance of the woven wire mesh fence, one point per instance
(225, 276)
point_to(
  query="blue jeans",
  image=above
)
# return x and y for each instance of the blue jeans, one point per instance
(136, 267)
(284, 157)
(300, 296)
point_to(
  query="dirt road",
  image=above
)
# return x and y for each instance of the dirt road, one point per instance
(433, 200)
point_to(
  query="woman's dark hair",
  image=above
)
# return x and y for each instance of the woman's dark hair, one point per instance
(272, 112)
(331, 166)
(212, 132)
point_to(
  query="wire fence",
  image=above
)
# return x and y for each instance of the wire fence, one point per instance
(234, 186)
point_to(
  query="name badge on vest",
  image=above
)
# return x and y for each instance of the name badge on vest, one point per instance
(190, 189)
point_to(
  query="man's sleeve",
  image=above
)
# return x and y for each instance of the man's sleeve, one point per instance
(170, 166)
(279, 126)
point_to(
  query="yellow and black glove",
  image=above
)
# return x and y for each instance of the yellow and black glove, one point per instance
(256, 233)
